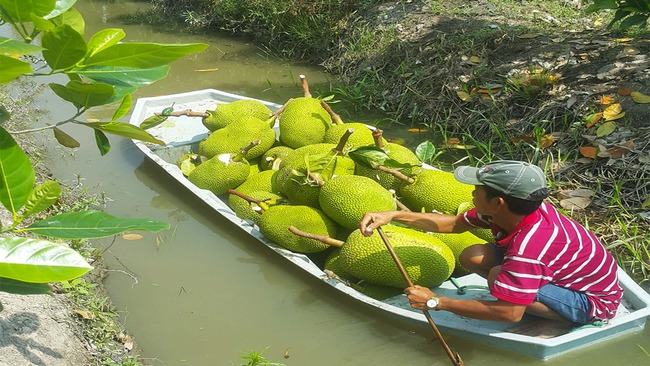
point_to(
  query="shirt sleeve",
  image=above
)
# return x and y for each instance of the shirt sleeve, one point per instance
(474, 219)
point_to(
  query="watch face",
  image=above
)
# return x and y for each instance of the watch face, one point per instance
(432, 303)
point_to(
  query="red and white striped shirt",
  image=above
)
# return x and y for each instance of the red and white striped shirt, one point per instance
(547, 247)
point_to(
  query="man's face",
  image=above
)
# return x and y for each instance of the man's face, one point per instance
(480, 200)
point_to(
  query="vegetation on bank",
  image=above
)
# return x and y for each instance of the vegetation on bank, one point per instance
(486, 80)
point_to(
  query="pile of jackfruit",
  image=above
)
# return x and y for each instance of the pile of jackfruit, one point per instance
(307, 189)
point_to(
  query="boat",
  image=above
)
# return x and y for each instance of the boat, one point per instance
(181, 132)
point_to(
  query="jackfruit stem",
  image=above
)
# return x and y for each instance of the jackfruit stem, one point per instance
(249, 199)
(315, 178)
(305, 86)
(395, 173)
(377, 135)
(187, 112)
(342, 141)
(401, 206)
(322, 238)
(335, 117)
(244, 150)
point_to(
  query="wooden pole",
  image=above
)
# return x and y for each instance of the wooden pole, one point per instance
(453, 356)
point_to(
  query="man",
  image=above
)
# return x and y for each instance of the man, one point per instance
(541, 262)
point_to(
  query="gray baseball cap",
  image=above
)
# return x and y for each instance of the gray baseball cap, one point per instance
(512, 178)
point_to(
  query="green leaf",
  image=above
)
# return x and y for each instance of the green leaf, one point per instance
(169, 110)
(601, 5)
(24, 288)
(4, 114)
(124, 107)
(152, 121)
(124, 130)
(64, 47)
(103, 144)
(16, 174)
(125, 76)
(12, 47)
(60, 7)
(41, 24)
(65, 139)
(636, 19)
(42, 197)
(20, 10)
(104, 39)
(11, 68)
(425, 151)
(618, 15)
(606, 129)
(91, 224)
(84, 95)
(73, 18)
(39, 261)
(143, 55)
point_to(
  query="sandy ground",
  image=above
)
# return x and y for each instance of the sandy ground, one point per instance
(38, 330)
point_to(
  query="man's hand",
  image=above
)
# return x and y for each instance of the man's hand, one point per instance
(418, 296)
(373, 220)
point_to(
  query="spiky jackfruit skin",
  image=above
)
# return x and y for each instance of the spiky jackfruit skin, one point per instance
(247, 211)
(362, 135)
(263, 181)
(219, 174)
(457, 242)
(427, 260)
(398, 153)
(346, 198)
(227, 113)
(232, 138)
(333, 264)
(303, 122)
(435, 190)
(274, 225)
(274, 156)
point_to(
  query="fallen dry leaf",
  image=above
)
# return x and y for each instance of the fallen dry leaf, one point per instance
(575, 203)
(623, 91)
(475, 59)
(640, 98)
(605, 129)
(464, 96)
(593, 118)
(416, 130)
(605, 100)
(84, 314)
(613, 112)
(620, 150)
(588, 152)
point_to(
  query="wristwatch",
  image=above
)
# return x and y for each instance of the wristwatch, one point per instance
(432, 302)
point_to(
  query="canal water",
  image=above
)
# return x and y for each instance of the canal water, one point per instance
(203, 293)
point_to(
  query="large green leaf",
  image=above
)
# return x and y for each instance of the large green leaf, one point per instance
(12, 47)
(91, 224)
(601, 5)
(124, 107)
(84, 95)
(64, 47)
(20, 10)
(104, 39)
(124, 76)
(42, 197)
(143, 55)
(11, 68)
(24, 288)
(102, 142)
(16, 173)
(39, 261)
(73, 18)
(125, 130)
(60, 7)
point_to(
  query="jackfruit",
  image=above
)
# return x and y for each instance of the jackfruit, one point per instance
(426, 259)
(274, 156)
(275, 222)
(399, 154)
(346, 198)
(232, 137)
(188, 162)
(362, 135)
(227, 113)
(303, 120)
(435, 190)
(263, 181)
(457, 242)
(220, 173)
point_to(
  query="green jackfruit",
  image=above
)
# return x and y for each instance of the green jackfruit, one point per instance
(231, 138)
(275, 222)
(346, 198)
(274, 156)
(426, 259)
(233, 112)
(457, 242)
(220, 173)
(362, 135)
(435, 190)
(252, 211)
(303, 120)
(263, 181)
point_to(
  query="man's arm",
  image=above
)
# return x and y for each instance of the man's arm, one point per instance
(434, 222)
(498, 310)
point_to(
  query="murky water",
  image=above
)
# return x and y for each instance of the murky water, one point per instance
(204, 293)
